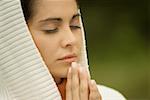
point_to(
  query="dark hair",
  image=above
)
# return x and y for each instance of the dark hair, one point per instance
(27, 7)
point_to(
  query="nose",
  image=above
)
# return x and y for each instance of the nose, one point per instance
(69, 38)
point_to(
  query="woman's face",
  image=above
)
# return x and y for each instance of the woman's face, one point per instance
(56, 31)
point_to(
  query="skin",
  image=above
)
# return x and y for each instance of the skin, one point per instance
(56, 31)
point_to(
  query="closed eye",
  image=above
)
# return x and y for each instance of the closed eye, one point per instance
(51, 31)
(74, 27)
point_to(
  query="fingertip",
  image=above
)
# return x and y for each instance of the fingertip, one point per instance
(69, 70)
(69, 73)
(92, 83)
(73, 64)
(86, 71)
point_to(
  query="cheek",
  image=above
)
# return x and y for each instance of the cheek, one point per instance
(40, 42)
(79, 40)
(45, 46)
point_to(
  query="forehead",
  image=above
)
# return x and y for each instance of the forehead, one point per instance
(55, 8)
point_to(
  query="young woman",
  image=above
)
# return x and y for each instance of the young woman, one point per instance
(56, 29)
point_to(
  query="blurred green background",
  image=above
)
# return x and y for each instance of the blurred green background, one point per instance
(118, 42)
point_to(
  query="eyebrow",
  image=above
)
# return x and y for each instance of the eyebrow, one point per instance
(76, 15)
(58, 19)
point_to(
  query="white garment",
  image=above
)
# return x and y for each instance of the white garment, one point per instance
(23, 73)
(109, 93)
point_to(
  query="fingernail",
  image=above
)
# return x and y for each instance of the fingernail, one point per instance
(69, 70)
(69, 73)
(93, 82)
(74, 64)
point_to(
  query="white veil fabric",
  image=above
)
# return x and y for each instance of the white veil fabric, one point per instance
(23, 73)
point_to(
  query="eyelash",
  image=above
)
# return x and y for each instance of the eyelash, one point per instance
(51, 31)
(75, 27)
(56, 29)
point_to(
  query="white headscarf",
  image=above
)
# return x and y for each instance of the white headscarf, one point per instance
(23, 73)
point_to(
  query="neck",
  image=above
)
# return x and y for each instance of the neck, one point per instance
(62, 88)
(58, 80)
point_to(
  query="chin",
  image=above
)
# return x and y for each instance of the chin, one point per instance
(59, 69)
(64, 73)
(60, 72)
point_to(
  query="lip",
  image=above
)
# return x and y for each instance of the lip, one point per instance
(69, 58)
